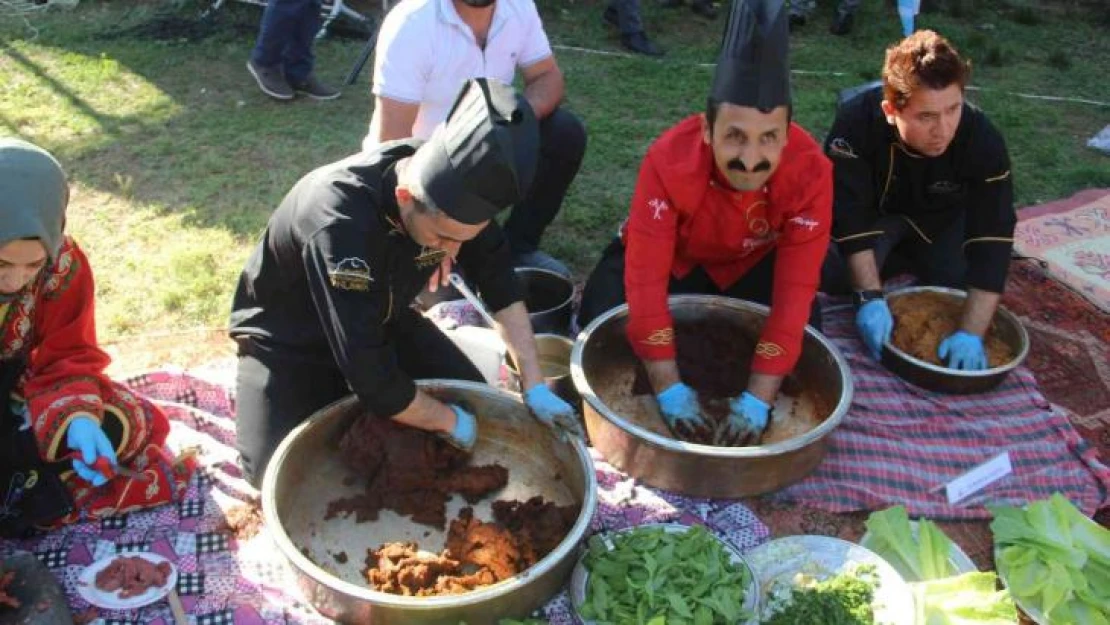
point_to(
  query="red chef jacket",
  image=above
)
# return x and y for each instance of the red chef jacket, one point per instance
(685, 214)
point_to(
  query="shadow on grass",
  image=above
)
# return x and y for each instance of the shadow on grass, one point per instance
(201, 140)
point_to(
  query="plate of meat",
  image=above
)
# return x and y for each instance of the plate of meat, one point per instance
(127, 581)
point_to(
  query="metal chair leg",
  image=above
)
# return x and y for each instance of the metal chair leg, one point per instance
(363, 56)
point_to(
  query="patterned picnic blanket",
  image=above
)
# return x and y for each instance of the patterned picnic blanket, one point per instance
(223, 581)
(899, 443)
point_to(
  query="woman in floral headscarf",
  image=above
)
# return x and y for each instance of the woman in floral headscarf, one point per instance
(66, 430)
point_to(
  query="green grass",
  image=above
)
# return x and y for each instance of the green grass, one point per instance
(177, 160)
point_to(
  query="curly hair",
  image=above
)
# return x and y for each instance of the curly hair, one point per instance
(922, 60)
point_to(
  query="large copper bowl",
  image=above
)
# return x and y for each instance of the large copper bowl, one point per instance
(945, 380)
(305, 474)
(602, 357)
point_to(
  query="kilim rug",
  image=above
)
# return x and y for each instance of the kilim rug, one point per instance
(1072, 236)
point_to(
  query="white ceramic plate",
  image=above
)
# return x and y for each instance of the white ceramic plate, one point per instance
(86, 584)
(777, 563)
(580, 576)
(957, 557)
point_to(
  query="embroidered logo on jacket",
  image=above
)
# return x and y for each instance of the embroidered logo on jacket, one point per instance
(428, 257)
(805, 222)
(944, 187)
(657, 206)
(840, 147)
(756, 214)
(660, 337)
(351, 274)
(768, 349)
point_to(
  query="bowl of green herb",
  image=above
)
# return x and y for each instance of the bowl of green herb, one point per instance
(663, 573)
(819, 579)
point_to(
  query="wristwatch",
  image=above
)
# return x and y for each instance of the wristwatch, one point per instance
(859, 298)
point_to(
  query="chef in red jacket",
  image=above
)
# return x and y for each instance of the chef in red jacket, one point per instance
(735, 202)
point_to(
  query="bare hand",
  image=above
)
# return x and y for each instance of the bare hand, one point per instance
(442, 275)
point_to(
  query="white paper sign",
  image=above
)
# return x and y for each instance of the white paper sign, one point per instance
(979, 478)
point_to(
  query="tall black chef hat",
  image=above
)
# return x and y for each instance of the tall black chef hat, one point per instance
(482, 158)
(753, 64)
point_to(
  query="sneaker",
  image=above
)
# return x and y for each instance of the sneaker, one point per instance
(315, 89)
(271, 81)
(541, 260)
(640, 44)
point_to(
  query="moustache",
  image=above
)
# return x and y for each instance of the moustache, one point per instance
(478, 4)
(738, 165)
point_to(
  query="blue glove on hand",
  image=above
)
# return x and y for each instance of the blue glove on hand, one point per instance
(85, 436)
(747, 416)
(552, 411)
(465, 433)
(681, 411)
(874, 323)
(963, 350)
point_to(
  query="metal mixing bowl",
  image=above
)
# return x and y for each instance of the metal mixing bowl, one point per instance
(306, 473)
(945, 380)
(549, 297)
(602, 350)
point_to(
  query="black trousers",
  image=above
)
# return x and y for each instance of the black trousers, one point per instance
(605, 287)
(279, 388)
(562, 146)
(899, 249)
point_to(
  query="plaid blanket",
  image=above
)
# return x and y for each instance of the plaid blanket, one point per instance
(899, 443)
(223, 581)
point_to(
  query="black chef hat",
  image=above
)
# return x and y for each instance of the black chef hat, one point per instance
(753, 64)
(481, 159)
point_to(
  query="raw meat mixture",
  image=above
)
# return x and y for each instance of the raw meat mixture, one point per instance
(132, 576)
(923, 320)
(715, 360)
(477, 554)
(409, 471)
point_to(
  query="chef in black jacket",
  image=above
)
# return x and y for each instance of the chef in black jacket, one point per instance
(922, 177)
(323, 305)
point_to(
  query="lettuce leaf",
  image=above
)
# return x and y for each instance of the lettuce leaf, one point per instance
(1056, 558)
(922, 558)
(967, 599)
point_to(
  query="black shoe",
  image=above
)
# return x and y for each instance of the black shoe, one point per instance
(842, 25)
(315, 89)
(610, 17)
(797, 21)
(640, 44)
(271, 81)
(704, 9)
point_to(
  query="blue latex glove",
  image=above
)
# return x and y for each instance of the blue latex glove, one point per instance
(747, 416)
(874, 323)
(681, 411)
(963, 350)
(552, 411)
(465, 433)
(85, 437)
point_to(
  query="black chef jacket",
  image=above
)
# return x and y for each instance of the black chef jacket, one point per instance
(876, 174)
(335, 272)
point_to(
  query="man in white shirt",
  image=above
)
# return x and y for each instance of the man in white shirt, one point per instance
(427, 48)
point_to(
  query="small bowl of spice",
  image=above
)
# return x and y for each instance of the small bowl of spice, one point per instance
(663, 573)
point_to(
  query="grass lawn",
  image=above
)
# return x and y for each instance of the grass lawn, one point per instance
(177, 160)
